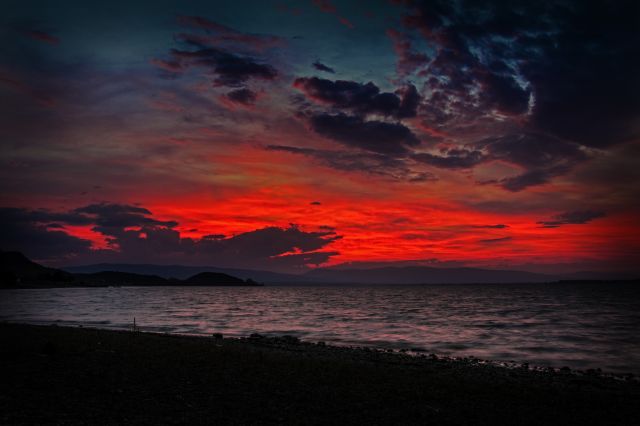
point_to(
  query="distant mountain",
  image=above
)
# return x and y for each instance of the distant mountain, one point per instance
(423, 275)
(209, 278)
(17, 270)
(183, 272)
(121, 278)
(600, 275)
(392, 274)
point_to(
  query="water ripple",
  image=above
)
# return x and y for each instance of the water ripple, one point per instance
(582, 326)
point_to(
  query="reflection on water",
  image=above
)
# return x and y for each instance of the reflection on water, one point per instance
(581, 326)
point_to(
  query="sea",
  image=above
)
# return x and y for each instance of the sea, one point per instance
(577, 325)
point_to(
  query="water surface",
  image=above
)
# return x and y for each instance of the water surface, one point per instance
(576, 325)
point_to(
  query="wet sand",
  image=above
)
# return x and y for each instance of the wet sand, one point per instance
(60, 375)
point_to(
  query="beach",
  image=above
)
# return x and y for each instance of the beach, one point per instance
(75, 375)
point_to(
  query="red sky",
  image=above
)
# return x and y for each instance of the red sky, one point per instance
(407, 135)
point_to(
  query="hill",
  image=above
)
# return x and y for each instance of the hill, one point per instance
(17, 270)
(216, 278)
(183, 272)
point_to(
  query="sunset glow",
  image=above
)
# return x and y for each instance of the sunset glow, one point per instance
(307, 134)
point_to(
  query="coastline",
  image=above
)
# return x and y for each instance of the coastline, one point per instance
(303, 284)
(54, 374)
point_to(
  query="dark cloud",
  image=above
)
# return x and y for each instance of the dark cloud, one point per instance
(231, 58)
(113, 220)
(578, 217)
(375, 136)
(360, 98)
(527, 179)
(587, 74)
(214, 237)
(370, 163)
(315, 203)
(228, 69)
(410, 100)
(496, 226)
(408, 59)
(325, 6)
(218, 35)
(242, 96)
(532, 150)
(504, 94)
(133, 235)
(577, 62)
(543, 157)
(453, 159)
(322, 67)
(495, 240)
(24, 230)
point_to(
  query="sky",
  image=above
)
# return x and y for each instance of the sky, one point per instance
(287, 135)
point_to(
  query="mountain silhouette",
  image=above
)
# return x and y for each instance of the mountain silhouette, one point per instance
(217, 278)
(183, 272)
(17, 271)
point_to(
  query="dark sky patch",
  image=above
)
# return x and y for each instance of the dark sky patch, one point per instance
(577, 217)
(228, 69)
(218, 35)
(242, 96)
(370, 163)
(452, 159)
(134, 235)
(495, 240)
(322, 67)
(577, 61)
(376, 136)
(27, 232)
(541, 156)
(496, 226)
(409, 60)
(360, 98)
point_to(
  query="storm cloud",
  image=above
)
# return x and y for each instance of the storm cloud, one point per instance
(374, 136)
(578, 217)
(322, 67)
(360, 98)
(228, 69)
(134, 235)
(570, 68)
(369, 163)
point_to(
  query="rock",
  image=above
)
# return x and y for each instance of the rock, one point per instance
(291, 340)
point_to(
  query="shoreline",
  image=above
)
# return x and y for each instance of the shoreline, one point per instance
(310, 284)
(269, 339)
(267, 380)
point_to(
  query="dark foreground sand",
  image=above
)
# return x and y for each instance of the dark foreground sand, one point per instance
(58, 375)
